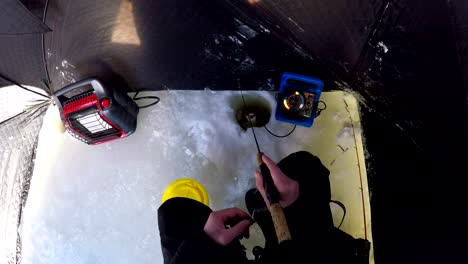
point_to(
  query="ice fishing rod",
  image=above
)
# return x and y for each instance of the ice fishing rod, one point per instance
(272, 193)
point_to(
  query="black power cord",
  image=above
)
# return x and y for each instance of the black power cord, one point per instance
(340, 204)
(280, 136)
(319, 110)
(21, 86)
(317, 113)
(150, 97)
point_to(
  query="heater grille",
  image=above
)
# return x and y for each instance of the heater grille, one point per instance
(88, 123)
(94, 123)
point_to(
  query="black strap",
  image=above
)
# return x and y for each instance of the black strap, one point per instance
(151, 97)
(340, 204)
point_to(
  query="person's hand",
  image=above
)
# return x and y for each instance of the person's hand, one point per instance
(216, 226)
(288, 188)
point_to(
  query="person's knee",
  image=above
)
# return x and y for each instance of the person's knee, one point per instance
(312, 161)
(303, 157)
(304, 167)
(181, 217)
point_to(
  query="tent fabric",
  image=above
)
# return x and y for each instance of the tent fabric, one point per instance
(205, 44)
(18, 141)
(16, 19)
(181, 44)
(21, 60)
(21, 50)
(37, 8)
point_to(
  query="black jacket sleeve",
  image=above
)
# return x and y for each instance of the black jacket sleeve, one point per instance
(181, 222)
(198, 249)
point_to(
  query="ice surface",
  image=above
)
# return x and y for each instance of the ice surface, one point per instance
(14, 100)
(98, 204)
(17, 142)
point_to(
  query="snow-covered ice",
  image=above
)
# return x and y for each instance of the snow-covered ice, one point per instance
(98, 204)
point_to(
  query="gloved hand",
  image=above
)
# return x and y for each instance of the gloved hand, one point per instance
(288, 188)
(225, 225)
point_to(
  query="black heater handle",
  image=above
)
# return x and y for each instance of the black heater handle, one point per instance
(97, 86)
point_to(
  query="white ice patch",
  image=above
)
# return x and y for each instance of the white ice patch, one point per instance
(66, 72)
(235, 40)
(244, 30)
(66, 64)
(67, 77)
(296, 24)
(344, 138)
(383, 46)
(247, 63)
(264, 29)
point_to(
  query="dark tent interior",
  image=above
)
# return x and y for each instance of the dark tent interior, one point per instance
(407, 60)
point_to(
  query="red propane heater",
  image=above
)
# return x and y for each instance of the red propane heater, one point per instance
(95, 113)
